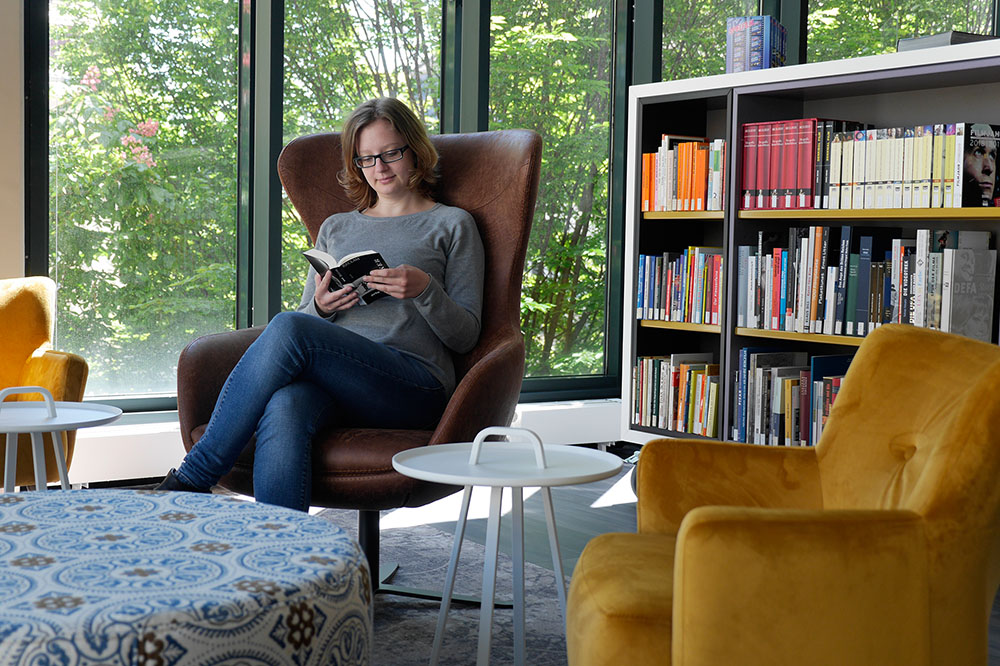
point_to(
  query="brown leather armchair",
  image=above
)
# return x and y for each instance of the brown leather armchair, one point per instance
(492, 175)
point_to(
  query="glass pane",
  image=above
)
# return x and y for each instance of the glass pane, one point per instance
(847, 28)
(142, 183)
(694, 36)
(339, 53)
(550, 71)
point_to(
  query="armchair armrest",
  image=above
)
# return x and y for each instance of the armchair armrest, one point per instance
(675, 476)
(761, 586)
(202, 369)
(62, 373)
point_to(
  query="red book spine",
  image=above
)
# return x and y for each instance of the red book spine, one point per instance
(775, 180)
(749, 166)
(789, 162)
(763, 165)
(775, 288)
(806, 163)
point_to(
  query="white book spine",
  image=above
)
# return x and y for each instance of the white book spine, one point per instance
(918, 290)
(958, 165)
(947, 272)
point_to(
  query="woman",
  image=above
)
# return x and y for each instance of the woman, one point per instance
(385, 364)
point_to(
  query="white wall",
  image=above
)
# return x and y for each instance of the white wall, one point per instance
(11, 139)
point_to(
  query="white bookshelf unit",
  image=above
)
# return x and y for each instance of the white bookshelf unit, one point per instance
(939, 85)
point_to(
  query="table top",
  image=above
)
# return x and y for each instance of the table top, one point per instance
(33, 416)
(508, 464)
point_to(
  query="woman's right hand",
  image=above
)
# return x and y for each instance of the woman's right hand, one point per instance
(328, 302)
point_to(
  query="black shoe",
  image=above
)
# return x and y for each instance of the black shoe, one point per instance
(171, 482)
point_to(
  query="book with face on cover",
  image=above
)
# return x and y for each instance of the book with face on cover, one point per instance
(349, 270)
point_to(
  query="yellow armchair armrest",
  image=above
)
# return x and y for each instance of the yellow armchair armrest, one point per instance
(675, 476)
(762, 586)
(62, 373)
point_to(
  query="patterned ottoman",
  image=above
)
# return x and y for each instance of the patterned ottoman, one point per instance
(147, 577)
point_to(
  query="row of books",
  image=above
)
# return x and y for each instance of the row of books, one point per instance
(681, 286)
(678, 392)
(843, 282)
(754, 42)
(784, 397)
(684, 174)
(836, 164)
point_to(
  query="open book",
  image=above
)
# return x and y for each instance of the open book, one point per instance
(349, 270)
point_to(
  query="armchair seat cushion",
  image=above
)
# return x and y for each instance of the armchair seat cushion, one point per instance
(622, 600)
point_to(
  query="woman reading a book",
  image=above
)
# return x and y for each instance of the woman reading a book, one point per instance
(335, 360)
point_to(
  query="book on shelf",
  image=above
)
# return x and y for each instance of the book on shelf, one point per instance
(758, 390)
(968, 279)
(820, 367)
(754, 42)
(837, 164)
(349, 270)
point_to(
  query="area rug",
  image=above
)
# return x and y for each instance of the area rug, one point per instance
(404, 627)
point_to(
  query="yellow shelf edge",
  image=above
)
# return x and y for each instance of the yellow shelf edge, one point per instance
(876, 214)
(683, 215)
(847, 340)
(681, 326)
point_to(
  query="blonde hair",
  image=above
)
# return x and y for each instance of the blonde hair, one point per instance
(403, 120)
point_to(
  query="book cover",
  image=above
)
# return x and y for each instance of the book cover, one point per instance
(826, 366)
(850, 309)
(863, 285)
(979, 177)
(970, 276)
(806, 165)
(349, 270)
(778, 401)
(763, 165)
(776, 179)
(847, 170)
(831, 190)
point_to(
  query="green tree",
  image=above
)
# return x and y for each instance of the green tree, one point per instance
(142, 183)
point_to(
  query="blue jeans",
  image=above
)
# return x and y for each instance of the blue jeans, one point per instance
(301, 374)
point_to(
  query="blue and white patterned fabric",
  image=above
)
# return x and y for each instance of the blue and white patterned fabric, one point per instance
(150, 577)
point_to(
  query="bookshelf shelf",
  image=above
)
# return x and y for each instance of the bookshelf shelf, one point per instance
(847, 340)
(915, 214)
(681, 326)
(684, 215)
(900, 90)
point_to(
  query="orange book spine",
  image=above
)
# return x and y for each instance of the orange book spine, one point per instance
(699, 176)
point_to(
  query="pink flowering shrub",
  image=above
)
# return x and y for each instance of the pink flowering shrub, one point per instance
(147, 128)
(92, 77)
(139, 151)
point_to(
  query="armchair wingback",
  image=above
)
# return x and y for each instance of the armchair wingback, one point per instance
(881, 545)
(492, 175)
(27, 359)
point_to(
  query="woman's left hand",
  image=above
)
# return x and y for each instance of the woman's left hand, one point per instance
(403, 281)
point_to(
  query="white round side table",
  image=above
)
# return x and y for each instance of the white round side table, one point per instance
(38, 417)
(514, 464)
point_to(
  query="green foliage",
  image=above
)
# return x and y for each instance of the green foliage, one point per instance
(142, 183)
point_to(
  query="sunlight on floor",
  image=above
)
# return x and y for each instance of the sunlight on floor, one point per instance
(446, 510)
(620, 493)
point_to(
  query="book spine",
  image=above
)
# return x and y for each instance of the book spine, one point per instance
(789, 164)
(831, 191)
(860, 174)
(919, 286)
(863, 285)
(804, 402)
(842, 279)
(820, 174)
(806, 165)
(763, 165)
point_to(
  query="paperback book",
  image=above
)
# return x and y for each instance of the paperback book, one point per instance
(349, 270)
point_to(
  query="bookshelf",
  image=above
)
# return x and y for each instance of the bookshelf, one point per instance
(950, 84)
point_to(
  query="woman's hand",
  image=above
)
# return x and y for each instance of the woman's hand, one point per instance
(328, 302)
(403, 281)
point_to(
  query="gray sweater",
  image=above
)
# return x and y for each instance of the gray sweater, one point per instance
(444, 242)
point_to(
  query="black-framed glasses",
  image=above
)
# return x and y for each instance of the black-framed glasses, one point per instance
(368, 161)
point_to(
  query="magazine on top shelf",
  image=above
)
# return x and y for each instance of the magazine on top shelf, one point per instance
(350, 269)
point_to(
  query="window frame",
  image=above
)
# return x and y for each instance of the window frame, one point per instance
(464, 105)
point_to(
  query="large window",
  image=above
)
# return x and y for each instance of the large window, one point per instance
(849, 28)
(550, 71)
(142, 192)
(339, 53)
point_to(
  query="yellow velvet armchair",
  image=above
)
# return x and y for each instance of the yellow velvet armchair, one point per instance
(26, 359)
(878, 546)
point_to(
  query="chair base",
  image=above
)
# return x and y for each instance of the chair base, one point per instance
(388, 570)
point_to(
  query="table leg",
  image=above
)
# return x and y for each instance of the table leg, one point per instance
(550, 518)
(449, 581)
(517, 514)
(38, 453)
(57, 448)
(489, 576)
(10, 463)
